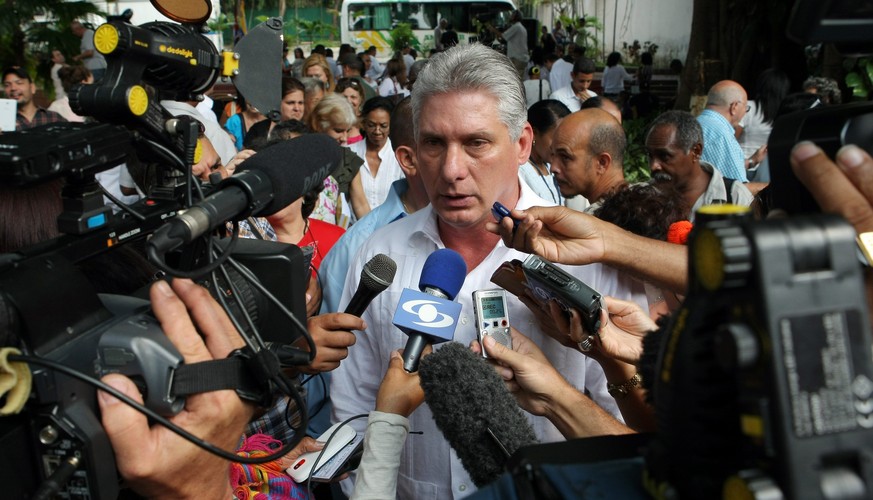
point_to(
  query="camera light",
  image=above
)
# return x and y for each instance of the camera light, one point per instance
(106, 39)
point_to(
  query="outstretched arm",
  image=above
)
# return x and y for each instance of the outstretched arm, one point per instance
(559, 234)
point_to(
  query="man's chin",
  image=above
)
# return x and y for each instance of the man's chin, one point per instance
(459, 218)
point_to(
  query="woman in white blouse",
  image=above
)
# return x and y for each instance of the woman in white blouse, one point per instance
(380, 168)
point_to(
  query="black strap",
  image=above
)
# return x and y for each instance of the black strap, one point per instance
(216, 375)
(728, 187)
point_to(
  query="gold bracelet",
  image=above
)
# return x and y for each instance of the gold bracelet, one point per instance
(621, 390)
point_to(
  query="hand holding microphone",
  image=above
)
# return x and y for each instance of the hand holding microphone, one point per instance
(332, 333)
(557, 234)
(430, 316)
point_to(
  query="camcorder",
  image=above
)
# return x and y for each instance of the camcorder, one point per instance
(49, 308)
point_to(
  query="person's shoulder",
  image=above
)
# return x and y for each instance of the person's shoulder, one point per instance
(326, 228)
(53, 116)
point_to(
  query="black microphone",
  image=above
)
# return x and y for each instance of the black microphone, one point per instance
(473, 409)
(377, 275)
(430, 316)
(264, 184)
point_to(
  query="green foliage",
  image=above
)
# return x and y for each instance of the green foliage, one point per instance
(31, 29)
(402, 36)
(860, 77)
(315, 28)
(223, 23)
(588, 37)
(636, 164)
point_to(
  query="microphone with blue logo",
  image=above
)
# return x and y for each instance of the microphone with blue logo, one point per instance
(429, 316)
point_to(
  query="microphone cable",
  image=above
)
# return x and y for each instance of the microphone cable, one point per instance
(345, 422)
(201, 443)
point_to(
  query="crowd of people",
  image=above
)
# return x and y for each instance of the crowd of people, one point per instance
(428, 146)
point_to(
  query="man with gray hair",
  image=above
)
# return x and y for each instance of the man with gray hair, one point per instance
(675, 146)
(471, 132)
(726, 105)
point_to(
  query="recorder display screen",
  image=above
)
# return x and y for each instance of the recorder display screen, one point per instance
(492, 307)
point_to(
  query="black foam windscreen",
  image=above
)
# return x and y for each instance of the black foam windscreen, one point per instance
(294, 167)
(467, 398)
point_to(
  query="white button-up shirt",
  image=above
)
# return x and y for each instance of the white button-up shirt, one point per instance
(429, 468)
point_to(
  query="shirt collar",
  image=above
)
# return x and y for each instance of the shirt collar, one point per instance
(426, 218)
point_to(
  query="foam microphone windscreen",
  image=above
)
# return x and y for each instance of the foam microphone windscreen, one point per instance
(294, 167)
(467, 397)
(445, 270)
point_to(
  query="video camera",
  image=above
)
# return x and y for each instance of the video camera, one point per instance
(50, 309)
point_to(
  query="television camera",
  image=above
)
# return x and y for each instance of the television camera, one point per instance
(68, 333)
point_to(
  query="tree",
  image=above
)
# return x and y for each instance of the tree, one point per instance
(31, 27)
(737, 39)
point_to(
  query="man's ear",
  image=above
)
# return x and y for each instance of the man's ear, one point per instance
(525, 142)
(406, 158)
(604, 161)
(697, 150)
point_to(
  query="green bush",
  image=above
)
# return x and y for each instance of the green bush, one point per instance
(636, 164)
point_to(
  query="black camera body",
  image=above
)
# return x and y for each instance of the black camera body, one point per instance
(764, 381)
(49, 308)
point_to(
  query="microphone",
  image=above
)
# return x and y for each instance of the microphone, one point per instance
(430, 316)
(377, 275)
(473, 409)
(265, 183)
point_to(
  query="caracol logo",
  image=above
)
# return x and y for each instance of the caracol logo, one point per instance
(426, 310)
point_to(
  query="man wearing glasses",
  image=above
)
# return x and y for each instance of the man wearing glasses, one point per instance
(726, 105)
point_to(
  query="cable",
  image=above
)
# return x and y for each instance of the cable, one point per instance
(323, 403)
(284, 310)
(318, 458)
(158, 261)
(286, 447)
(120, 204)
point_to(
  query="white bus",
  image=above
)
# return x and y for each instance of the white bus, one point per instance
(369, 22)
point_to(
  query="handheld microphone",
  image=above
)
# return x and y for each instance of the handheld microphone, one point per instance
(377, 275)
(473, 409)
(266, 183)
(430, 316)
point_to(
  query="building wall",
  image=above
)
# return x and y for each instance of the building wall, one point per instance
(664, 22)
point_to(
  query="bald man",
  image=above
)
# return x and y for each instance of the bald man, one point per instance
(726, 105)
(605, 104)
(587, 154)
